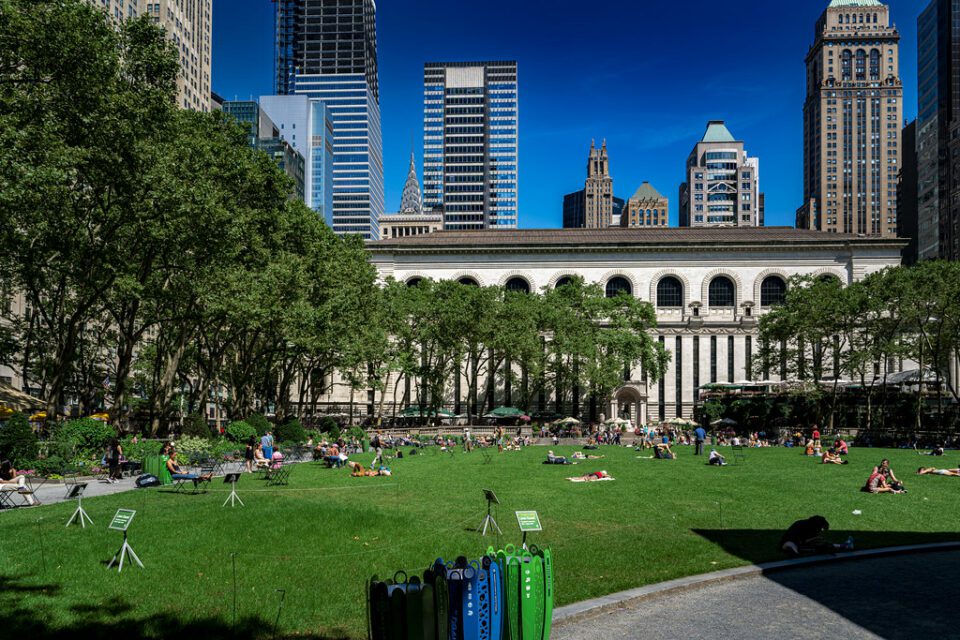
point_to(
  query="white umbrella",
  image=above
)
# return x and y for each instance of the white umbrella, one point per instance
(567, 421)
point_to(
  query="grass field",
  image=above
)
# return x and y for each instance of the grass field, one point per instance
(320, 538)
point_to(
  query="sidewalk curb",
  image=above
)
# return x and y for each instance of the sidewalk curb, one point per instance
(586, 609)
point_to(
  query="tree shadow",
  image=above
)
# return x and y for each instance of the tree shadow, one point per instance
(116, 618)
(900, 596)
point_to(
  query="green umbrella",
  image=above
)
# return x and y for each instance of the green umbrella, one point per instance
(505, 412)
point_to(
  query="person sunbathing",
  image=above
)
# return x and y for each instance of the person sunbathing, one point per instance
(357, 470)
(923, 471)
(179, 473)
(553, 459)
(580, 455)
(830, 457)
(593, 476)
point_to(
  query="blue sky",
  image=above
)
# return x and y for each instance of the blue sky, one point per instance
(644, 75)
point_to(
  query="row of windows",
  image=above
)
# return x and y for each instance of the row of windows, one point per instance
(722, 292)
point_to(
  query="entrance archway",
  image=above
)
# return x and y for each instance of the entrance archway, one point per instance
(630, 403)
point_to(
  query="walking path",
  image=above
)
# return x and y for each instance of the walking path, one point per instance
(893, 597)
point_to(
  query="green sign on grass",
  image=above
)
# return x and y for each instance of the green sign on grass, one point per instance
(528, 521)
(122, 519)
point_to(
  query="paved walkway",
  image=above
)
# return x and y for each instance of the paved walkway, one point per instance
(898, 597)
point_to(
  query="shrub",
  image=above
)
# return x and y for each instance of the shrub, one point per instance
(18, 442)
(328, 424)
(334, 433)
(49, 466)
(141, 450)
(189, 447)
(196, 426)
(86, 437)
(240, 431)
(358, 433)
(259, 422)
(291, 432)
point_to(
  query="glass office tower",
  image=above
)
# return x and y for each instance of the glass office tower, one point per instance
(470, 144)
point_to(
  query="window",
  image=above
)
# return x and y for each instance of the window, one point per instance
(518, 285)
(412, 282)
(564, 281)
(773, 291)
(468, 282)
(722, 292)
(669, 292)
(618, 285)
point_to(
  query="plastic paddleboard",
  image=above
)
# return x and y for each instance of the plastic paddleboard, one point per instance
(547, 592)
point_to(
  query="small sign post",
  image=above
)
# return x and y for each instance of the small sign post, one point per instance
(528, 521)
(121, 522)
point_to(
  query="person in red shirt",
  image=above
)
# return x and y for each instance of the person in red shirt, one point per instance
(816, 433)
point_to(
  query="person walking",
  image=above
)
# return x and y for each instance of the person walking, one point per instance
(267, 442)
(248, 453)
(699, 435)
(114, 456)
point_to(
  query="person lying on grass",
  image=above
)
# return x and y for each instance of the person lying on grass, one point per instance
(831, 457)
(924, 471)
(593, 476)
(806, 536)
(580, 455)
(178, 473)
(552, 459)
(877, 483)
(716, 459)
(357, 470)
(884, 469)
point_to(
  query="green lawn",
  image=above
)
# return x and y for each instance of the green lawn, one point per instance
(321, 537)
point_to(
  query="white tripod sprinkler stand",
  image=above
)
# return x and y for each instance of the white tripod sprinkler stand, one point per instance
(488, 521)
(79, 515)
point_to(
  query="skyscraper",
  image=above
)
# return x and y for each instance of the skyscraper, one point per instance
(851, 121)
(470, 115)
(189, 26)
(722, 187)
(412, 220)
(938, 80)
(594, 206)
(646, 208)
(327, 51)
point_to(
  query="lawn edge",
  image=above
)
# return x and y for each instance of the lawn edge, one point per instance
(587, 609)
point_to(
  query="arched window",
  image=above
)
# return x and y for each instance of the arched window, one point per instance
(618, 285)
(563, 281)
(861, 70)
(518, 285)
(846, 63)
(412, 282)
(669, 292)
(468, 281)
(874, 64)
(828, 277)
(773, 291)
(722, 292)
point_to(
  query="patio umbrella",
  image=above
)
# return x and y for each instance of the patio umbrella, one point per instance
(15, 400)
(725, 422)
(566, 421)
(505, 412)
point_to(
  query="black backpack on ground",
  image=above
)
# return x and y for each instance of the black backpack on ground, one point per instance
(147, 480)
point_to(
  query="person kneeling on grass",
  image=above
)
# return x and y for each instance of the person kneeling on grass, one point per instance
(716, 459)
(877, 483)
(178, 473)
(923, 471)
(806, 536)
(829, 457)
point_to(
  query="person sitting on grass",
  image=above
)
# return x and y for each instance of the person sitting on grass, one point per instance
(716, 459)
(808, 450)
(593, 476)
(840, 447)
(553, 459)
(10, 477)
(832, 457)
(923, 471)
(877, 483)
(806, 536)
(884, 469)
(179, 473)
(662, 452)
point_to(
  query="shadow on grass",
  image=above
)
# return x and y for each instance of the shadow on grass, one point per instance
(115, 619)
(896, 597)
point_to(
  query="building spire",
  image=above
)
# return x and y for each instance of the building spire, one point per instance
(410, 201)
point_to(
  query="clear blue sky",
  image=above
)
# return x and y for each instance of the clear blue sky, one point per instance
(644, 75)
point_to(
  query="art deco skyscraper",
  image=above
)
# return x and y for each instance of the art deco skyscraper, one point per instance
(598, 190)
(470, 143)
(327, 50)
(851, 121)
(189, 25)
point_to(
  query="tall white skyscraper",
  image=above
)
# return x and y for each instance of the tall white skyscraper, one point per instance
(470, 148)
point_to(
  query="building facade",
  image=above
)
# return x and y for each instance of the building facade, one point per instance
(646, 208)
(595, 206)
(306, 125)
(938, 108)
(189, 26)
(327, 52)
(722, 187)
(852, 117)
(709, 288)
(470, 143)
(907, 197)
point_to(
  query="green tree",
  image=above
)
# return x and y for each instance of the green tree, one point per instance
(18, 442)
